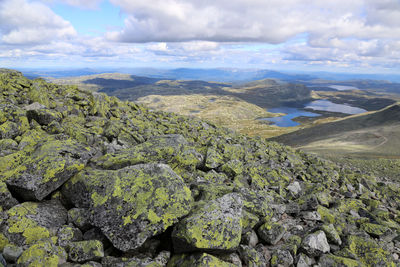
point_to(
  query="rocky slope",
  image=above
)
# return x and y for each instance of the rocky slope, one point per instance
(88, 180)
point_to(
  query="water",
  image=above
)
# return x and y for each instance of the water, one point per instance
(322, 105)
(326, 105)
(343, 87)
(291, 113)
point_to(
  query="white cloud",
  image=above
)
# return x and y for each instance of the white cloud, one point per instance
(23, 22)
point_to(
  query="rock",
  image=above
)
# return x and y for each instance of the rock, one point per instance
(251, 257)
(310, 215)
(294, 188)
(197, 260)
(271, 233)
(85, 251)
(304, 261)
(315, 244)
(214, 227)
(43, 116)
(369, 252)
(11, 253)
(330, 260)
(7, 201)
(34, 106)
(132, 204)
(42, 253)
(250, 238)
(170, 149)
(96, 234)
(281, 258)
(232, 258)
(374, 230)
(51, 164)
(3, 262)
(332, 234)
(80, 217)
(29, 222)
(67, 234)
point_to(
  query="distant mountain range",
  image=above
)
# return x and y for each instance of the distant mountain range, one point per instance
(214, 74)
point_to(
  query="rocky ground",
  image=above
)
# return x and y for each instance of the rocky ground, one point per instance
(88, 180)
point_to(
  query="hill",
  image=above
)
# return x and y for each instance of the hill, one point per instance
(372, 134)
(237, 107)
(88, 179)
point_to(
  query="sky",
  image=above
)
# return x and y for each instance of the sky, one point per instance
(361, 36)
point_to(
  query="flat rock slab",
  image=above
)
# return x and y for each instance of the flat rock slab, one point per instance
(215, 227)
(132, 204)
(51, 164)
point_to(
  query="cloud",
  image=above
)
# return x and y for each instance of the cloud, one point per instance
(273, 21)
(87, 4)
(23, 22)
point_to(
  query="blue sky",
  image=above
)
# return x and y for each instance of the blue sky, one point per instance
(308, 35)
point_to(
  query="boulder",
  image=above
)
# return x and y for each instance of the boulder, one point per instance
(42, 253)
(85, 251)
(51, 165)
(197, 260)
(132, 204)
(271, 233)
(214, 227)
(315, 244)
(30, 222)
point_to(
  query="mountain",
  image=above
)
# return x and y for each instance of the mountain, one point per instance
(374, 133)
(87, 179)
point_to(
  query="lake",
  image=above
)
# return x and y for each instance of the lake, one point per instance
(321, 105)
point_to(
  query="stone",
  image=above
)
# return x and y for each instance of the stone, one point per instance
(251, 257)
(11, 253)
(30, 222)
(43, 116)
(214, 227)
(50, 166)
(310, 215)
(294, 188)
(34, 106)
(250, 238)
(132, 204)
(315, 244)
(304, 261)
(271, 233)
(281, 258)
(232, 258)
(331, 233)
(42, 253)
(3, 262)
(67, 234)
(330, 260)
(7, 201)
(85, 251)
(80, 217)
(197, 260)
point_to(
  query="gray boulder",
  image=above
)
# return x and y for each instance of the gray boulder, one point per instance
(214, 227)
(315, 244)
(132, 204)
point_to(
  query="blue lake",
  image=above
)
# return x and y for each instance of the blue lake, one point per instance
(322, 105)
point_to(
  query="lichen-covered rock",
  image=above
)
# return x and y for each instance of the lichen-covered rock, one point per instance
(67, 234)
(80, 218)
(172, 149)
(131, 204)
(281, 258)
(197, 260)
(330, 260)
(11, 253)
(42, 253)
(85, 251)
(331, 233)
(315, 244)
(43, 116)
(271, 233)
(51, 164)
(369, 252)
(251, 257)
(7, 201)
(250, 238)
(30, 222)
(214, 227)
